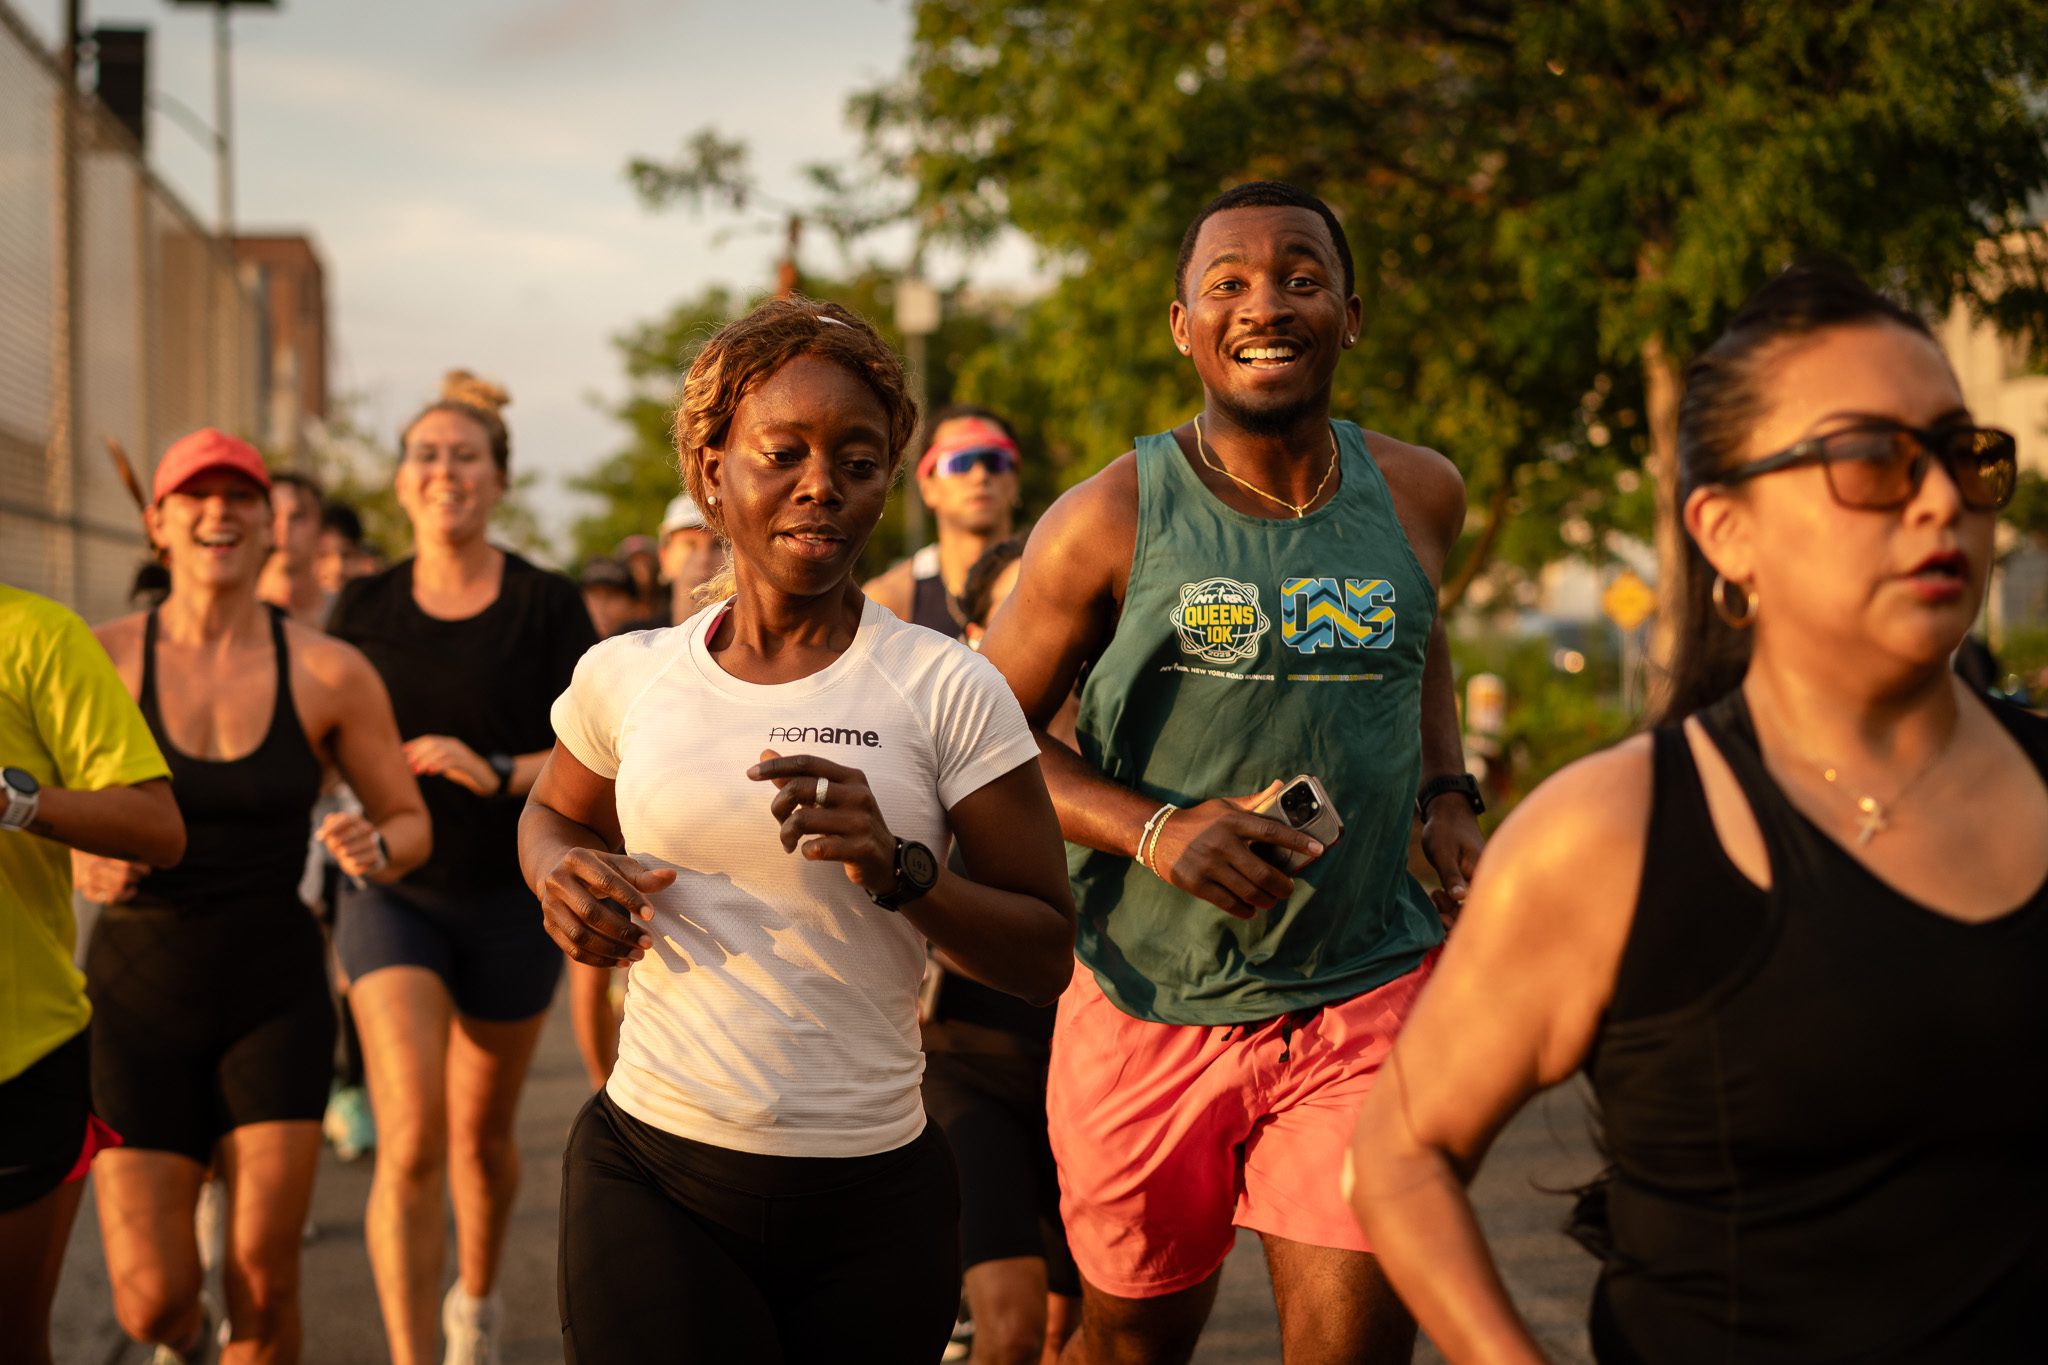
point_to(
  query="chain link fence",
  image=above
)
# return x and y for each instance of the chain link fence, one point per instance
(120, 317)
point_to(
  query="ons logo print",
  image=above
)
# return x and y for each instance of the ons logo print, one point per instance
(1315, 615)
(1219, 620)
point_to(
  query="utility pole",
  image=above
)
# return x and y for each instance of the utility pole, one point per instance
(223, 124)
(223, 109)
(785, 269)
(917, 317)
(62, 468)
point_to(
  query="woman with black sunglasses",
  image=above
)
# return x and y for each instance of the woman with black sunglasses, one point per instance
(1797, 936)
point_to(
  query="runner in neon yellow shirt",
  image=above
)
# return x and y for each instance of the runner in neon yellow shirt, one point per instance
(80, 769)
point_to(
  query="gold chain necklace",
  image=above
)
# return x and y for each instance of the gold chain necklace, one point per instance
(1874, 816)
(1299, 509)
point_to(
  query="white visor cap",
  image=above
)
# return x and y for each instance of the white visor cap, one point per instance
(682, 515)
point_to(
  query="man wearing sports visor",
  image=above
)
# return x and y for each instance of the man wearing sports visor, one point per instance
(968, 477)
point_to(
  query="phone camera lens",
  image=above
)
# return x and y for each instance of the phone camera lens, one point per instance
(1299, 803)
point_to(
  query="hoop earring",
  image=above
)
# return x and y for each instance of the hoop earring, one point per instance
(1750, 602)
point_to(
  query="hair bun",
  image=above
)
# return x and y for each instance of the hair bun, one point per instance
(460, 386)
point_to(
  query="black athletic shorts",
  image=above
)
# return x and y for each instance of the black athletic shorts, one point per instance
(678, 1251)
(992, 1108)
(489, 948)
(205, 1021)
(42, 1122)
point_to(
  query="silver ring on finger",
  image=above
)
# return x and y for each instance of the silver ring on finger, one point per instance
(823, 784)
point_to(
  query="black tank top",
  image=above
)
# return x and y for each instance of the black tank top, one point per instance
(1825, 1105)
(931, 606)
(247, 819)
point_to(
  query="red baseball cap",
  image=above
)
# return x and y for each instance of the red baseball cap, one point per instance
(205, 449)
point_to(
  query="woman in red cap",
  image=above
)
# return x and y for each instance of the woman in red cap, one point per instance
(212, 1033)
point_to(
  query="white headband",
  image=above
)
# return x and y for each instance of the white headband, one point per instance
(834, 321)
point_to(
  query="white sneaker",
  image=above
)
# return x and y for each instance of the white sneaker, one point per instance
(171, 1355)
(471, 1326)
(210, 1224)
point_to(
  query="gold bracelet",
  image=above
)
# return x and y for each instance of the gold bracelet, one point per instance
(1164, 814)
(1145, 837)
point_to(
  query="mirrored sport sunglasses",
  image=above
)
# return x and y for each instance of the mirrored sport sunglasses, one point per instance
(994, 459)
(1878, 466)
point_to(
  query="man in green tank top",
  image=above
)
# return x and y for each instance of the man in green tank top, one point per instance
(1252, 596)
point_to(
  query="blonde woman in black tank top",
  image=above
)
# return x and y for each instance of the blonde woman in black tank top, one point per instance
(1798, 938)
(213, 1034)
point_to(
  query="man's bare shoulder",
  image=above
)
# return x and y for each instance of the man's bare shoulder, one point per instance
(1416, 469)
(1103, 505)
(892, 587)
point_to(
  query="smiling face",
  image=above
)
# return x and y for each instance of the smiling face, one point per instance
(801, 477)
(1266, 315)
(447, 482)
(1870, 590)
(216, 531)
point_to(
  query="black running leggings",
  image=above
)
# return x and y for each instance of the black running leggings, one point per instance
(674, 1250)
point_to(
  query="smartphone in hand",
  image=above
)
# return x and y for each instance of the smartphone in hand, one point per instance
(1302, 804)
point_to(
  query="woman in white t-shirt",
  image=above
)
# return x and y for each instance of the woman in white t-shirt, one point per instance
(752, 809)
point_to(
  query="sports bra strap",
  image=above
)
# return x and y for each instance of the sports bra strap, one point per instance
(146, 700)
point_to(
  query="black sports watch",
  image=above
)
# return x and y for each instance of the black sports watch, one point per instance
(1464, 784)
(502, 765)
(917, 872)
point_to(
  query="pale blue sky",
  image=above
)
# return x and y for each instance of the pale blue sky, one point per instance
(459, 163)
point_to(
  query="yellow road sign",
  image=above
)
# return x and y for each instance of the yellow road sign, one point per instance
(1628, 601)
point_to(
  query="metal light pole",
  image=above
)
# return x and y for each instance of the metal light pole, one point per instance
(223, 108)
(917, 317)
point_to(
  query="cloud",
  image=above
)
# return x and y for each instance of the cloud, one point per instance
(549, 27)
(500, 126)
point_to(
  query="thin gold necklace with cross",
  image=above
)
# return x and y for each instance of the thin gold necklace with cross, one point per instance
(1873, 815)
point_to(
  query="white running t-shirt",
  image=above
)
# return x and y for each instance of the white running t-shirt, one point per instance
(777, 1010)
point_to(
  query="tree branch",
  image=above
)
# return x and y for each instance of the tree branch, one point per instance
(1496, 517)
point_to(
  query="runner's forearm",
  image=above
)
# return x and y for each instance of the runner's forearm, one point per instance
(408, 837)
(1409, 1194)
(1443, 743)
(526, 771)
(140, 823)
(1094, 811)
(1430, 1245)
(545, 834)
(1005, 939)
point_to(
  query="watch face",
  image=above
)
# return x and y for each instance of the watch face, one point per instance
(18, 780)
(919, 867)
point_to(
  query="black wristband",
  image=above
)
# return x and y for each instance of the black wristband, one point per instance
(503, 765)
(1464, 784)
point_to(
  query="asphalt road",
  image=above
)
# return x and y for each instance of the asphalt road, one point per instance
(1545, 1149)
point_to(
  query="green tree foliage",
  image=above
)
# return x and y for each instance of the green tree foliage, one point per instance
(1541, 197)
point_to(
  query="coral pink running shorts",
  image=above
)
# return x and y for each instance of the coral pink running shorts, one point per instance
(1169, 1136)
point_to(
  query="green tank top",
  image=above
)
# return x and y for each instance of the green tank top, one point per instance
(1248, 650)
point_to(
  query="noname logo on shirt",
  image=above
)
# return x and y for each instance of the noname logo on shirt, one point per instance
(1219, 620)
(823, 734)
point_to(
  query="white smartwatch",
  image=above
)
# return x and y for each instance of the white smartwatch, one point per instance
(23, 794)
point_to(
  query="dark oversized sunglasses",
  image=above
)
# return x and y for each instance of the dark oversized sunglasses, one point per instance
(994, 459)
(1878, 465)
